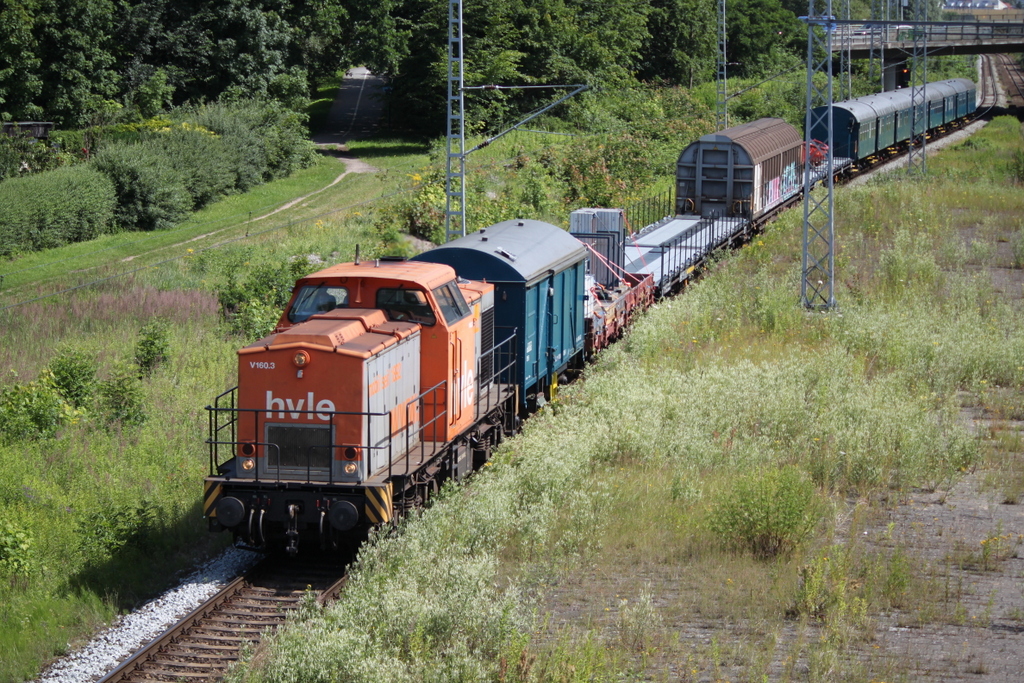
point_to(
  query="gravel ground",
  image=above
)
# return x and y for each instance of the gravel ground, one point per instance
(111, 647)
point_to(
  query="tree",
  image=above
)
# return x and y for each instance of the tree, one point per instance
(682, 44)
(755, 27)
(19, 61)
(74, 40)
(514, 42)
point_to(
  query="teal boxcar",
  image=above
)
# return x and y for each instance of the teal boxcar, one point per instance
(538, 272)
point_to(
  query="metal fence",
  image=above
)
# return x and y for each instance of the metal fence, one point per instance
(644, 212)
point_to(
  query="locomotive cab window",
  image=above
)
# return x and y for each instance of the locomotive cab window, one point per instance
(408, 305)
(312, 300)
(453, 305)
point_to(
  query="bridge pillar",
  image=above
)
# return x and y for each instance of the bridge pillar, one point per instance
(889, 71)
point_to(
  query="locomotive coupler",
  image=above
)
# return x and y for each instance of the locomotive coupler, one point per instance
(293, 530)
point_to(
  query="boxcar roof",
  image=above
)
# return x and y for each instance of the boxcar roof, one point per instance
(761, 139)
(961, 84)
(881, 105)
(859, 108)
(520, 250)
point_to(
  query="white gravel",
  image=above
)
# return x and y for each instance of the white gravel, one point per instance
(111, 647)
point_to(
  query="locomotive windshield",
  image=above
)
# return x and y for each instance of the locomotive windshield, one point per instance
(453, 304)
(312, 300)
(406, 304)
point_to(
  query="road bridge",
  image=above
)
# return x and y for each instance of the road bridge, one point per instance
(944, 38)
(894, 41)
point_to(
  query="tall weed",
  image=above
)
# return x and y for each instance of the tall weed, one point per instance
(768, 513)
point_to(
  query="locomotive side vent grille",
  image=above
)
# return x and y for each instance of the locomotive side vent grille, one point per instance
(299, 447)
(486, 346)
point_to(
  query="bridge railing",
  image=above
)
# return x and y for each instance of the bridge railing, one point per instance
(936, 31)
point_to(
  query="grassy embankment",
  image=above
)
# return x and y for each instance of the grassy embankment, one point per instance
(716, 470)
(97, 513)
(99, 500)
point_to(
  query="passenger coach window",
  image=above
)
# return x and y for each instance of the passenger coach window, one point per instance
(409, 305)
(312, 300)
(453, 304)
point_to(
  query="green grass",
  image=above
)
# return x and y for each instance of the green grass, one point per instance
(605, 507)
(111, 510)
(80, 261)
(38, 624)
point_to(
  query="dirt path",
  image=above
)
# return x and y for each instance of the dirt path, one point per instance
(352, 165)
(354, 114)
(356, 110)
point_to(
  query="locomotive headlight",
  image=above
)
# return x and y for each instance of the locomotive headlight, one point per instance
(350, 468)
(301, 359)
(248, 464)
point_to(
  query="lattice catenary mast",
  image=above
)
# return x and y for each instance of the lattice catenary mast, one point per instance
(455, 166)
(721, 104)
(916, 157)
(817, 290)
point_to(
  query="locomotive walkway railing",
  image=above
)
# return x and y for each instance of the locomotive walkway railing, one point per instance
(381, 433)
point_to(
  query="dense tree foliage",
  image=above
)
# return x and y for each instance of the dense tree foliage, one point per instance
(90, 62)
(77, 61)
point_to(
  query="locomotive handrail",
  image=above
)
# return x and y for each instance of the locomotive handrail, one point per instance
(234, 411)
(507, 350)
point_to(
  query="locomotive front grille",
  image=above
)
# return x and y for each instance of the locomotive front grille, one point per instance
(299, 447)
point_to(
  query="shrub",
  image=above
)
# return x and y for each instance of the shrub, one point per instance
(121, 398)
(151, 194)
(201, 159)
(22, 155)
(31, 410)
(50, 209)
(420, 213)
(113, 527)
(254, 319)
(152, 347)
(15, 549)
(253, 306)
(74, 375)
(768, 513)
(267, 140)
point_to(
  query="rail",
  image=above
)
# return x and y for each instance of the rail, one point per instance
(204, 643)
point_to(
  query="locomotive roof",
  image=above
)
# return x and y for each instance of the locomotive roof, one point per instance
(761, 139)
(520, 250)
(427, 275)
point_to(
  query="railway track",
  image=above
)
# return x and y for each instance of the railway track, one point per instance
(1013, 81)
(207, 641)
(988, 85)
(204, 644)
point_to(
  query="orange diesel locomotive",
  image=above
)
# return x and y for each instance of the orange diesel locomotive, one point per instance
(364, 397)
